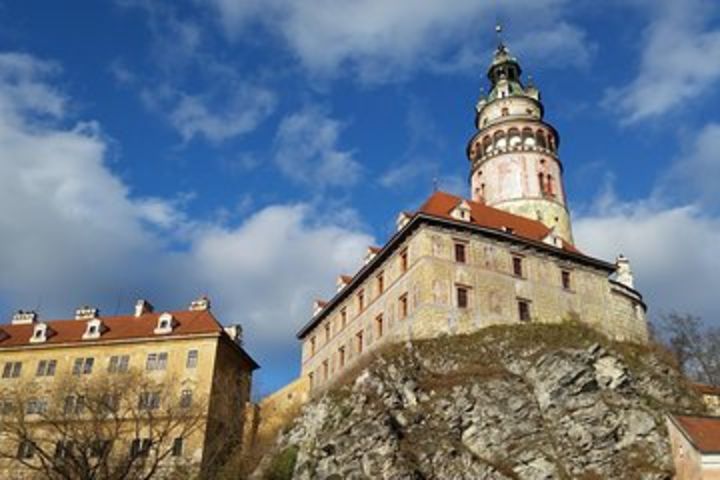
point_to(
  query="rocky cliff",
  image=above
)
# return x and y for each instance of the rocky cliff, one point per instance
(524, 402)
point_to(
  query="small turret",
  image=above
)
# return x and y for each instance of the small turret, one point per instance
(623, 272)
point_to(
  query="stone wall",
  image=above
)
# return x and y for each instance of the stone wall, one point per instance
(429, 287)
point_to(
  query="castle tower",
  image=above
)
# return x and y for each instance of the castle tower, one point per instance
(514, 160)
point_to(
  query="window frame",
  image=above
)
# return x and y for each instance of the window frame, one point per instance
(460, 252)
(193, 356)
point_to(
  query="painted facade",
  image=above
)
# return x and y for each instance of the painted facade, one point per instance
(188, 352)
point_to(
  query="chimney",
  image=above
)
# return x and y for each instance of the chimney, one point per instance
(86, 313)
(142, 307)
(371, 253)
(199, 305)
(235, 333)
(24, 317)
(343, 281)
(623, 272)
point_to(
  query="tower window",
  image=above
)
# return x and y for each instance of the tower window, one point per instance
(524, 310)
(404, 261)
(505, 112)
(460, 253)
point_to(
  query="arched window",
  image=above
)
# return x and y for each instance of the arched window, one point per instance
(550, 187)
(500, 140)
(541, 182)
(527, 138)
(505, 112)
(551, 142)
(514, 139)
(487, 144)
(540, 139)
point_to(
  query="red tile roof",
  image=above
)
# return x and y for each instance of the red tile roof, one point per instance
(702, 432)
(440, 204)
(707, 389)
(346, 278)
(124, 327)
(374, 249)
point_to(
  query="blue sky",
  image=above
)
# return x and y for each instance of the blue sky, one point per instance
(251, 150)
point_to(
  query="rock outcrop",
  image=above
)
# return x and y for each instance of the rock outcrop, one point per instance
(530, 402)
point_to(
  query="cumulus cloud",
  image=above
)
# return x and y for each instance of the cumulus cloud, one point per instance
(677, 64)
(73, 233)
(306, 150)
(379, 40)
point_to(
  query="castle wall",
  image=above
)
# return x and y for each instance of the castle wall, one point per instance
(493, 293)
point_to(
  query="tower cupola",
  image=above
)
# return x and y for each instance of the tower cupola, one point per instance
(514, 153)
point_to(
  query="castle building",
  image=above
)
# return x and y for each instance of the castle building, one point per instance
(185, 378)
(506, 255)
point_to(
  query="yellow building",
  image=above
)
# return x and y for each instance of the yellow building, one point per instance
(168, 389)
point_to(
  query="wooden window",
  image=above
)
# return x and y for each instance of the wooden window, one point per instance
(461, 294)
(359, 341)
(381, 282)
(46, 368)
(177, 447)
(403, 301)
(343, 317)
(404, 261)
(379, 326)
(149, 401)
(460, 253)
(524, 310)
(341, 356)
(119, 364)
(361, 300)
(83, 366)
(566, 281)
(12, 369)
(156, 361)
(186, 398)
(517, 266)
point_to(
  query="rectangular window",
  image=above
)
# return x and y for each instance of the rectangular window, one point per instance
(36, 406)
(111, 403)
(461, 294)
(566, 284)
(524, 310)
(361, 300)
(149, 401)
(83, 366)
(192, 359)
(177, 447)
(311, 380)
(312, 346)
(359, 341)
(63, 448)
(140, 447)
(403, 303)
(46, 368)
(379, 326)
(517, 266)
(12, 369)
(325, 369)
(74, 405)
(327, 332)
(99, 448)
(119, 363)
(156, 361)
(460, 253)
(341, 356)
(380, 282)
(404, 261)
(343, 317)
(186, 398)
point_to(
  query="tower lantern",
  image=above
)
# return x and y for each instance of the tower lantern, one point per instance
(514, 153)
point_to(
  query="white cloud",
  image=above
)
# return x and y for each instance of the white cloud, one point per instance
(378, 40)
(678, 61)
(217, 114)
(673, 251)
(306, 150)
(73, 234)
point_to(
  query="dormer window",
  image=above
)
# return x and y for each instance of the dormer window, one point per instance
(461, 211)
(93, 330)
(165, 324)
(40, 333)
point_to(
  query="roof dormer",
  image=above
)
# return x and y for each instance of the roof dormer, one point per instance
(93, 329)
(371, 253)
(40, 333)
(24, 317)
(165, 324)
(318, 305)
(142, 307)
(402, 219)
(461, 211)
(343, 281)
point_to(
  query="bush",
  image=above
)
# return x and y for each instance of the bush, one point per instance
(283, 465)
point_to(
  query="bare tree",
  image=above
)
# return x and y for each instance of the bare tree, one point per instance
(124, 426)
(696, 346)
